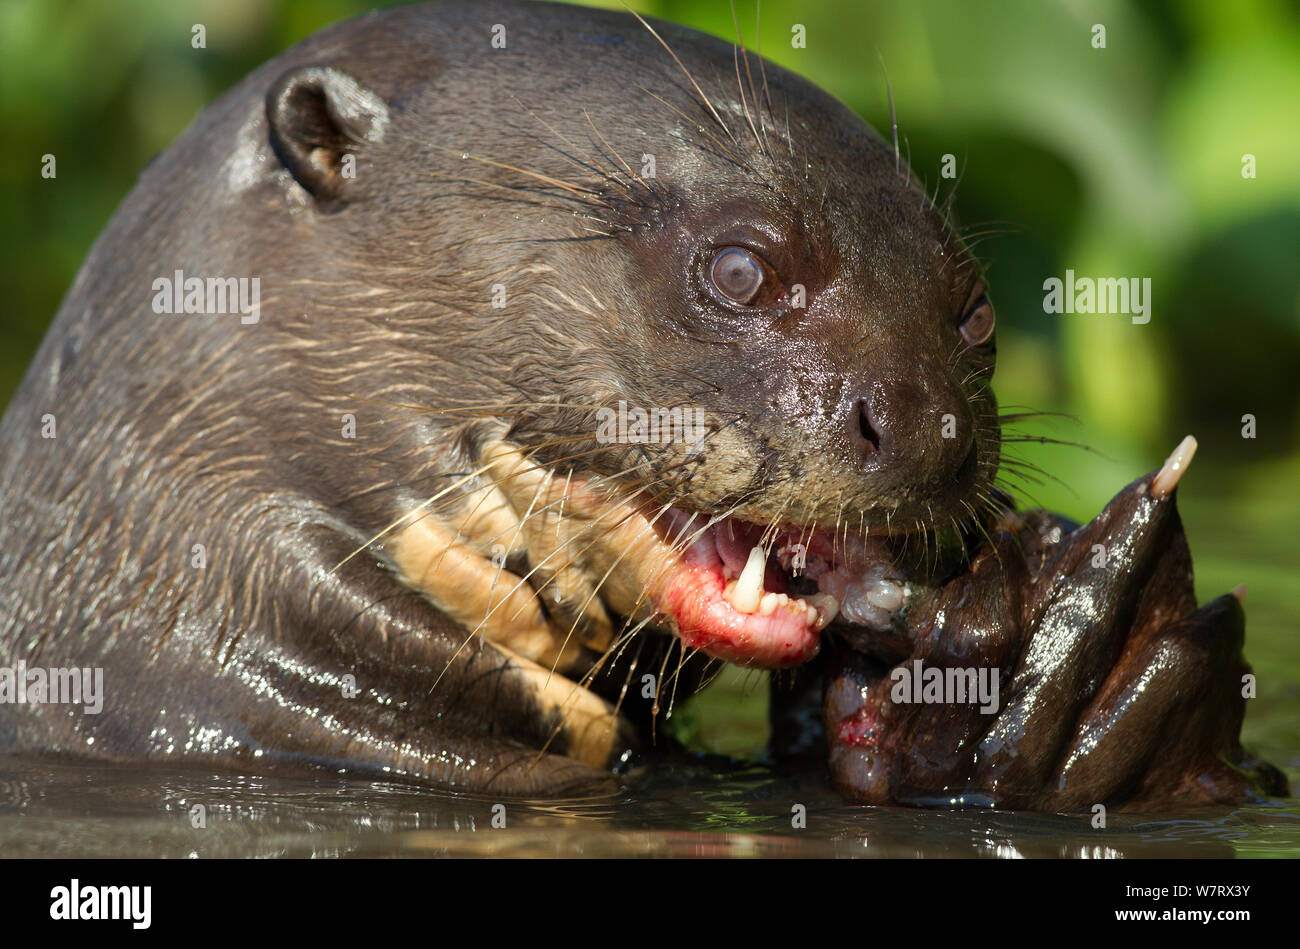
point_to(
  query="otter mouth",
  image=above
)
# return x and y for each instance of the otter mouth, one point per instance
(546, 564)
(757, 595)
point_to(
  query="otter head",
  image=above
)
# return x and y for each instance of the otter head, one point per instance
(699, 332)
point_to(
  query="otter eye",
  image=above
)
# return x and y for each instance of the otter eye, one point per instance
(737, 274)
(977, 327)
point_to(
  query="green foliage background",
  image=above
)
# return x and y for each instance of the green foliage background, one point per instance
(1120, 162)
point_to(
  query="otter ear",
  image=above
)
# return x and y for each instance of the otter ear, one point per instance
(317, 115)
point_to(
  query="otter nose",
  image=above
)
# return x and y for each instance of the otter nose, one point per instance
(902, 425)
(865, 432)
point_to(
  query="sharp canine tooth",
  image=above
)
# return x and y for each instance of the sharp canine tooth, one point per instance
(747, 593)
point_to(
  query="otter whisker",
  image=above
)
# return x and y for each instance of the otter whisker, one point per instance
(768, 537)
(893, 115)
(586, 681)
(516, 531)
(1019, 490)
(626, 167)
(758, 49)
(1027, 470)
(979, 523)
(749, 75)
(517, 189)
(685, 71)
(590, 165)
(1011, 418)
(636, 659)
(744, 104)
(596, 588)
(542, 485)
(407, 516)
(1047, 440)
(712, 669)
(482, 410)
(545, 179)
(682, 658)
(950, 201)
(713, 138)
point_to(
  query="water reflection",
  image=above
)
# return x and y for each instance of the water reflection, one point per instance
(692, 807)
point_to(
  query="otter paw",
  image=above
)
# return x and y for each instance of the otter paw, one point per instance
(1064, 669)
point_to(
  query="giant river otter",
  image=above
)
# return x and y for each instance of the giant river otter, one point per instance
(471, 375)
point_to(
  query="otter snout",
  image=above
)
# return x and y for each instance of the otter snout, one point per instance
(905, 429)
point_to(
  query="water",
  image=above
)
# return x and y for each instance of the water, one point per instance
(684, 807)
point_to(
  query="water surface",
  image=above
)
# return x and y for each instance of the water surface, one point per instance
(686, 807)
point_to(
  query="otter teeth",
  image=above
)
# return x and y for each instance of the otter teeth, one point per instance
(827, 608)
(746, 595)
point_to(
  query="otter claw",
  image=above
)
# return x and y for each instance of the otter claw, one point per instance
(1175, 466)
(1115, 688)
